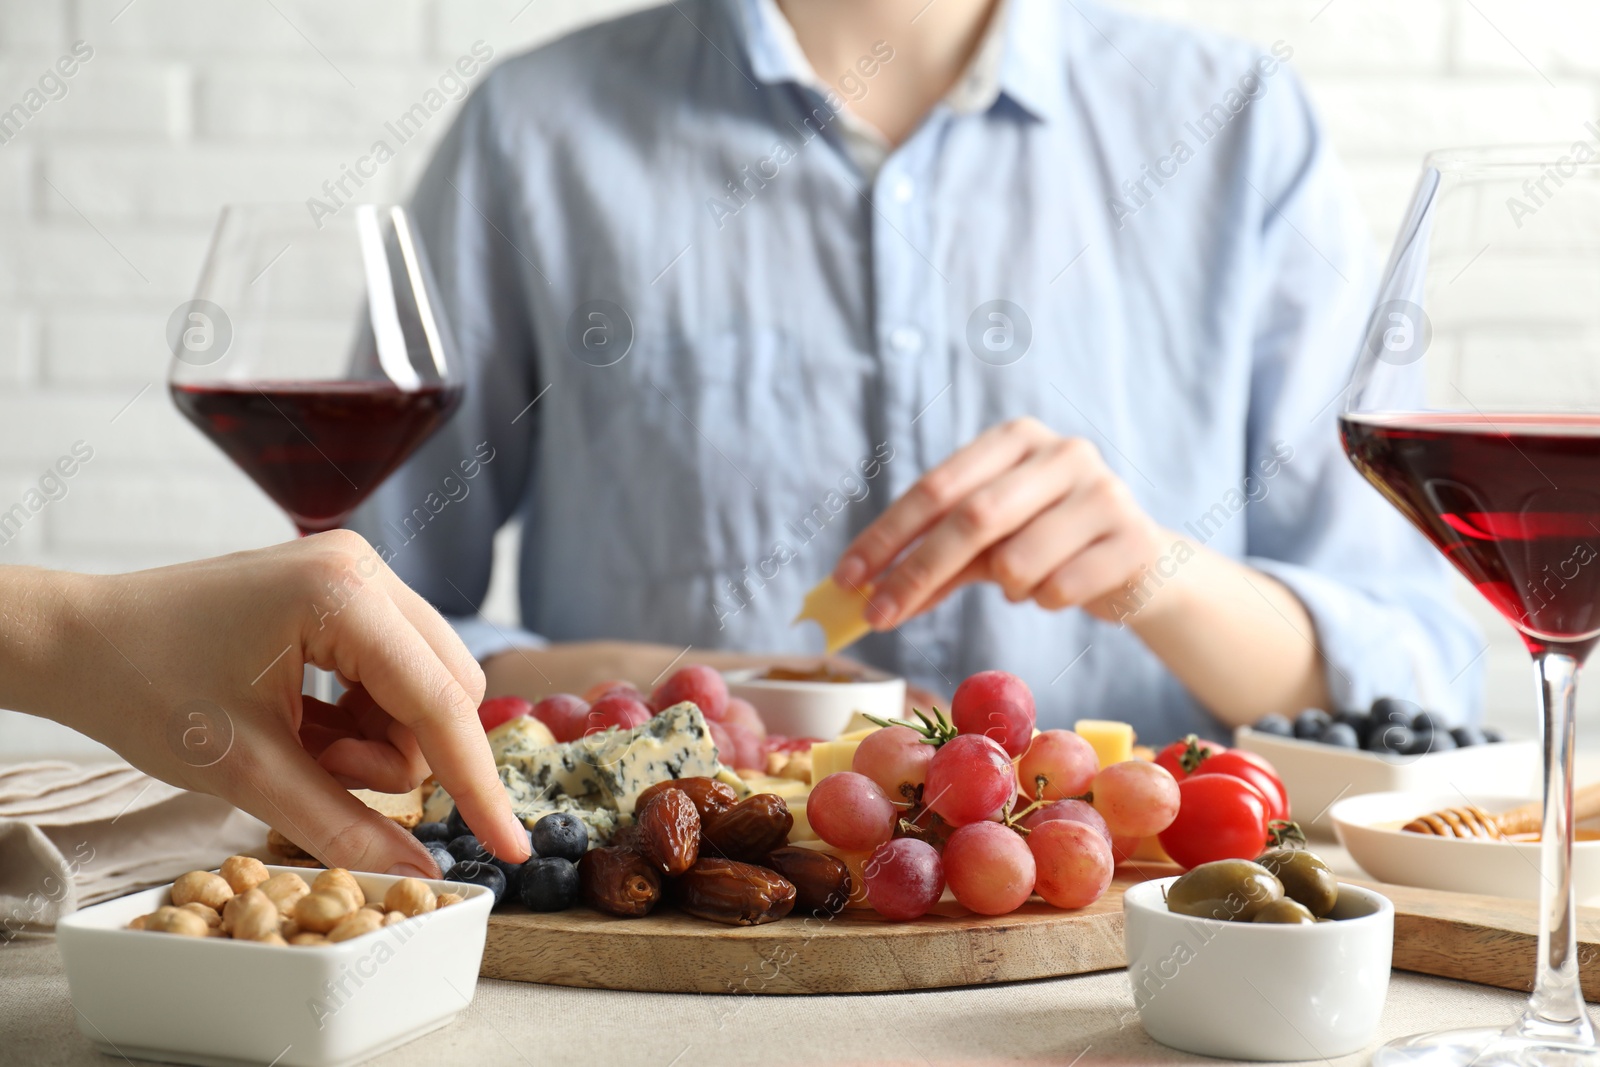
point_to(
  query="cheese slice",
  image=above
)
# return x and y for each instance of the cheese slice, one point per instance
(1112, 741)
(841, 612)
(858, 735)
(830, 756)
(788, 788)
(801, 830)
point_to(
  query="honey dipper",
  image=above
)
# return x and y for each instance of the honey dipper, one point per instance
(1469, 820)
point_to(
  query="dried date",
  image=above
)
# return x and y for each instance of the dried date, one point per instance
(821, 881)
(618, 881)
(669, 832)
(739, 894)
(748, 830)
(709, 795)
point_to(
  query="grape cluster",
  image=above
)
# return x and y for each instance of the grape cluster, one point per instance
(979, 804)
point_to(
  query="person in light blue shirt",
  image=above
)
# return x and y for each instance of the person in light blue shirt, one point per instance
(1032, 318)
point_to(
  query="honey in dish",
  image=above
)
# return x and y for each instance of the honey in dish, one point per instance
(820, 673)
(1580, 834)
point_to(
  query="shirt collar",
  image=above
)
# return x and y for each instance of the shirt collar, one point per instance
(1021, 55)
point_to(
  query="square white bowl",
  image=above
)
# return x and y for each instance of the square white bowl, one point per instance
(220, 1003)
(1317, 775)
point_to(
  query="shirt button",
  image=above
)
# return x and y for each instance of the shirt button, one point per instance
(904, 189)
(905, 338)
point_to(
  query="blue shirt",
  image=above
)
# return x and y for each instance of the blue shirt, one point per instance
(703, 348)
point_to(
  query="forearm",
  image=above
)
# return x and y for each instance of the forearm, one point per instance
(1240, 641)
(40, 636)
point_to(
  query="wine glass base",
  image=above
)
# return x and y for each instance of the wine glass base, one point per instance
(1483, 1047)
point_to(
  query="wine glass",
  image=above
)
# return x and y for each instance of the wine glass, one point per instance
(315, 354)
(1474, 408)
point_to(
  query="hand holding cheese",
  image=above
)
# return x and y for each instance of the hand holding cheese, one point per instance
(193, 673)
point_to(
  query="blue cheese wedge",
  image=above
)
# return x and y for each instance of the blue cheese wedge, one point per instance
(676, 743)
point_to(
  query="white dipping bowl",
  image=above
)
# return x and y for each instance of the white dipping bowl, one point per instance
(1259, 991)
(818, 709)
(215, 1001)
(1368, 826)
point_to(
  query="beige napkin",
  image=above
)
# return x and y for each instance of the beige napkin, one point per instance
(72, 835)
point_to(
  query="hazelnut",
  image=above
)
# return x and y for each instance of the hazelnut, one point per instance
(343, 879)
(244, 873)
(138, 922)
(209, 914)
(201, 887)
(285, 890)
(446, 899)
(273, 938)
(409, 896)
(251, 916)
(321, 911)
(361, 921)
(306, 937)
(170, 920)
(393, 917)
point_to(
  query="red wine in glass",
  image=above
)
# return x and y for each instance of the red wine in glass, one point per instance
(318, 448)
(1513, 501)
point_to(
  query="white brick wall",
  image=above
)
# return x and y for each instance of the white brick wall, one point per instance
(107, 196)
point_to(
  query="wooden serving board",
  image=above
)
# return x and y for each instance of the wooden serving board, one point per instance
(1487, 940)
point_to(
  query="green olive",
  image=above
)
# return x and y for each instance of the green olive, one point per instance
(1284, 911)
(1305, 878)
(1230, 890)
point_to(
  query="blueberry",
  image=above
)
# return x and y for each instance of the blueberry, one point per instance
(1340, 735)
(442, 857)
(472, 872)
(548, 883)
(433, 832)
(1309, 724)
(456, 825)
(1443, 741)
(1429, 722)
(1276, 725)
(1392, 739)
(1359, 721)
(1493, 736)
(1467, 736)
(1393, 710)
(467, 847)
(560, 834)
(1426, 741)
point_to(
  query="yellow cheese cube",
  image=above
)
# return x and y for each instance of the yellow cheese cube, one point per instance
(858, 735)
(787, 788)
(801, 830)
(830, 756)
(1112, 741)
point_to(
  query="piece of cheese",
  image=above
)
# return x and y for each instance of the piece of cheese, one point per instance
(1149, 849)
(1112, 741)
(841, 612)
(787, 788)
(858, 735)
(830, 756)
(519, 736)
(801, 830)
(675, 743)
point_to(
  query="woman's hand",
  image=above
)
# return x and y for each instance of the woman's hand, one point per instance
(1038, 514)
(193, 673)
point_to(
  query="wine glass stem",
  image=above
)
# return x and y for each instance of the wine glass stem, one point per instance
(1556, 1010)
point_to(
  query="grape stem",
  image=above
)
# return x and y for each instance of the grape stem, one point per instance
(935, 731)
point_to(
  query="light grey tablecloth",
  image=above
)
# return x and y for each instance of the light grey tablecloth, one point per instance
(1046, 1022)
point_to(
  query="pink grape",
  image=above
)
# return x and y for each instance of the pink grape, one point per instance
(727, 751)
(747, 751)
(617, 710)
(896, 758)
(601, 690)
(849, 810)
(1065, 760)
(1074, 862)
(989, 867)
(969, 778)
(565, 715)
(1138, 798)
(1123, 848)
(997, 705)
(699, 684)
(1072, 811)
(904, 878)
(740, 712)
(497, 711)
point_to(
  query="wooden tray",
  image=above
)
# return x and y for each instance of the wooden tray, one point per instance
(1487, 940)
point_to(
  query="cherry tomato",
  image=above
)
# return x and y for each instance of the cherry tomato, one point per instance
(1255, 770)
(1181, 757)
(1220, 817)
(498, 710)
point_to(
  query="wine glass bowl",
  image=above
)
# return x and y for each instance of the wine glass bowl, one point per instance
(315, 353)
(1474, 408)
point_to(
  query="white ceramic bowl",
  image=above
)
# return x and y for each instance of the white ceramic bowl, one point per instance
(215, 1001)
(1319, 775)
(1368, 826)
(1259, 991)
(818, 709)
